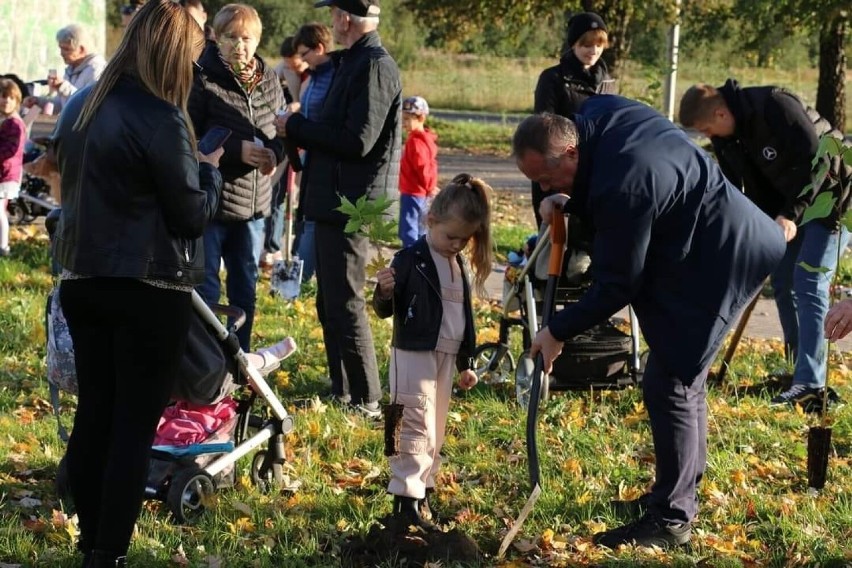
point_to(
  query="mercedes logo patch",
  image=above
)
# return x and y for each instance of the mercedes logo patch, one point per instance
(770, 153)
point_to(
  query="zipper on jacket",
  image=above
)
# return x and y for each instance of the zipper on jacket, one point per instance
(409, 312)
(251, 118)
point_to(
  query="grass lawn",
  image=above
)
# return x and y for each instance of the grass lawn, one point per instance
(595, 447)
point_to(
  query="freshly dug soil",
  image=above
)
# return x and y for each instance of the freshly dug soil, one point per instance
(387, 540)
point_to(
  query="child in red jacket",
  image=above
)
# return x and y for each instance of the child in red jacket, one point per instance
(418, 170)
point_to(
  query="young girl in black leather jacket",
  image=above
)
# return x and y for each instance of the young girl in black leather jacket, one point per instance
(426, 289)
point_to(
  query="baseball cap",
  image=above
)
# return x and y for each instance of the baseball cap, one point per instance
(416, 105)
(363, 8)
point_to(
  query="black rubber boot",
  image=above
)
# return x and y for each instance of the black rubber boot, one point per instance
(104, 559)
(406, 513)
(424, 506)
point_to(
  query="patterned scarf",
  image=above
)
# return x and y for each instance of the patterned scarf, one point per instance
(248, 76)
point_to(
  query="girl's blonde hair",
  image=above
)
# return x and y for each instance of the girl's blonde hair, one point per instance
(232, 16)
(158, 48)
(468, 198)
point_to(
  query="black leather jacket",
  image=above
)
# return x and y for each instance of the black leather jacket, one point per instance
(417, 307)
(135, 200)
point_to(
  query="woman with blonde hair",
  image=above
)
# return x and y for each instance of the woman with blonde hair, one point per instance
(136, 197)
(235, 88)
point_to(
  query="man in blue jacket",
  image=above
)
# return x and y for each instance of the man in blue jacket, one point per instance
(353, 150)
(677, 241)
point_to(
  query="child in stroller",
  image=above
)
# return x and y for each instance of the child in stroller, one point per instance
(603, 357)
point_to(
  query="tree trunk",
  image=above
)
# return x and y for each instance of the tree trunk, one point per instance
(831, 92)
(617, 15)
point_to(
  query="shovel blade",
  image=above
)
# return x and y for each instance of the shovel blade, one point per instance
(287, 278)
(516, 526)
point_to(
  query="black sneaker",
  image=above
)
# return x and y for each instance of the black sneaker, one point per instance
(632, 508)
(802, 395)
(648, 530)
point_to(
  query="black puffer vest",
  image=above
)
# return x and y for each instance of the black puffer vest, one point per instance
(218, 99)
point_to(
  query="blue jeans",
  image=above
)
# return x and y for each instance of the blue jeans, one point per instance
(307, 250)
(238, 243)
(412, 222)
(802, 298)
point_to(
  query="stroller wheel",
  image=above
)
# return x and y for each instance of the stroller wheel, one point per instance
(15, 212)
(189, 493)
(523, 381)
(493, 364)
(266, 476)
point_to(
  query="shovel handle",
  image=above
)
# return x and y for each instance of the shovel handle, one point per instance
(557, 240)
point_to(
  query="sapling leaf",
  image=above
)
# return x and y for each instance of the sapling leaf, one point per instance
(806, 190)
(819, 176)
(809, 268)
(820, 208)
(847, 156)
(353, 225)
(828, 146)
(846, 219)
(346, 207)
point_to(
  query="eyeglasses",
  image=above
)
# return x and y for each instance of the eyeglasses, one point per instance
(302, 54)
(129, 10)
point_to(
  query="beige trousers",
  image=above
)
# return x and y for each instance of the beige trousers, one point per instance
(422, 381)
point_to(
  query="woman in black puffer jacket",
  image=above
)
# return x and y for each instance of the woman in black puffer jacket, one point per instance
(234, 88)
(136, 198)
(581, 73)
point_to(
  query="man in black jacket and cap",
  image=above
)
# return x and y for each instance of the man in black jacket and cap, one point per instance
(765, 139)
(353, 151)
(674, 239)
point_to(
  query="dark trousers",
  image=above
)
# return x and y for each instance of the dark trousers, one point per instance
(128, 339)
(341, 264)
(678, 412)
(274, 224)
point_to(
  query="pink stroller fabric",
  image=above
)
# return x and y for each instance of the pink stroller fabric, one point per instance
(184, 423)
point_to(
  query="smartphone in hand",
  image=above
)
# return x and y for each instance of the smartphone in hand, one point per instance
(213, 139)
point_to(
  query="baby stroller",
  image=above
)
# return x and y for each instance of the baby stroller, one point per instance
(215, 366)
(33, 201)
(604, 357)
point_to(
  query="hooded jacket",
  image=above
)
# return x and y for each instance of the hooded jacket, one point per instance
(673, 237)
(769, 155)
(135, 200)
(354, 145)
(217, 99)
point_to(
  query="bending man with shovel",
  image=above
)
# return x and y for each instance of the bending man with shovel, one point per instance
(678, 242)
